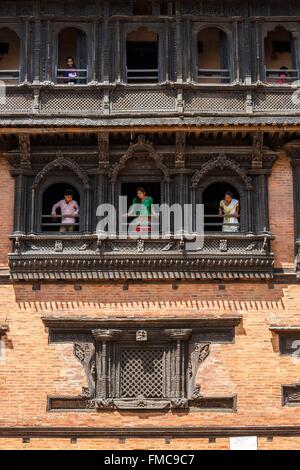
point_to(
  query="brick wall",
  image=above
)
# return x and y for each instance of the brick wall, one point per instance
(251, 367)
(7, 210)
(281, 211)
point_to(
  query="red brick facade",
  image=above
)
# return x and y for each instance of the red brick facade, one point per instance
(251, 368)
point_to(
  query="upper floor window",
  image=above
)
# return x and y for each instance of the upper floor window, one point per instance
(280, 58)
(156, 7)
(9, 56)
(72, 63)
(221, 208)
(213, 56)
(60, 209)
(142, 56)
(142, 8)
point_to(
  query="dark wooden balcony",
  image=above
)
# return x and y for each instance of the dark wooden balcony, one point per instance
(84, 256)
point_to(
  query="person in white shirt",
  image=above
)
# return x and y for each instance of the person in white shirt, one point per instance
(69, 211)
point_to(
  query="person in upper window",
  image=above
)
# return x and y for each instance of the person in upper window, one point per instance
(69, 211)
(143, 215)
(71, 72)
(282, 76)
(229, 210)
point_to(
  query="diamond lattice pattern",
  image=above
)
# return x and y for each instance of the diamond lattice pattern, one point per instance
(142, 373)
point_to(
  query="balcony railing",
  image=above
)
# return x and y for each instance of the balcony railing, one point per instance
(54, 224)
(213, 76)
(71, 76)
(97, 101)
(282, 76)
(222, 224)
(10, 76)
(142, 75)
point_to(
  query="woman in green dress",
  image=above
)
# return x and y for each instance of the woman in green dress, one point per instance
(143, 215)
(229, 210)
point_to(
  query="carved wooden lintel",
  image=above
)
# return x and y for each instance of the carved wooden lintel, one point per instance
(106, 335)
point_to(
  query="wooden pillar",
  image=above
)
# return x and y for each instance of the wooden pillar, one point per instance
(103, 339)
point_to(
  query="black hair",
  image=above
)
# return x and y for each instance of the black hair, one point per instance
(72, 58)
(142, 190)
(229, 193)
(69, 192)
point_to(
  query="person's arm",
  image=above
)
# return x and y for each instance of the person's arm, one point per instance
(56, 206)
(221, 212)
(76, 207)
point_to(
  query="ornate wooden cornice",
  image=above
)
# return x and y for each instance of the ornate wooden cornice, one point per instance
(182, 432)
(45, 257)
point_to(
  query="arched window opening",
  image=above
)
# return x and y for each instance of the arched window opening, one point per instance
(60, 209)
(221, 208)
(9, 56)
(146, 194)
(72, 64)
(213, 56)
(142, 56)
(280, 57)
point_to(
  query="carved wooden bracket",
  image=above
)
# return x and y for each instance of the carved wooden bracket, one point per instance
(257, 150)
(180, 150)
(25, 152)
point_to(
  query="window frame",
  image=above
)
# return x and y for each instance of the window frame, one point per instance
(49, 181)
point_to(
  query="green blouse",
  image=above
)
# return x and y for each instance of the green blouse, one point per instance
(147, 202)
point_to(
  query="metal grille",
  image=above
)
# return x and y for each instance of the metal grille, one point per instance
(142, 373)
(214, 101)
(277, 101)
(143, 100)
(72, 101)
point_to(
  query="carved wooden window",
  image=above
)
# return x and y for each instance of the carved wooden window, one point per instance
(212, 197)
(72, 44)
(138, 369)
(142, 368)
(213, 56)
(9, 56)
(142, 372)
(289, 344)
(280, 57)
(142, 51)
(52, 195)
